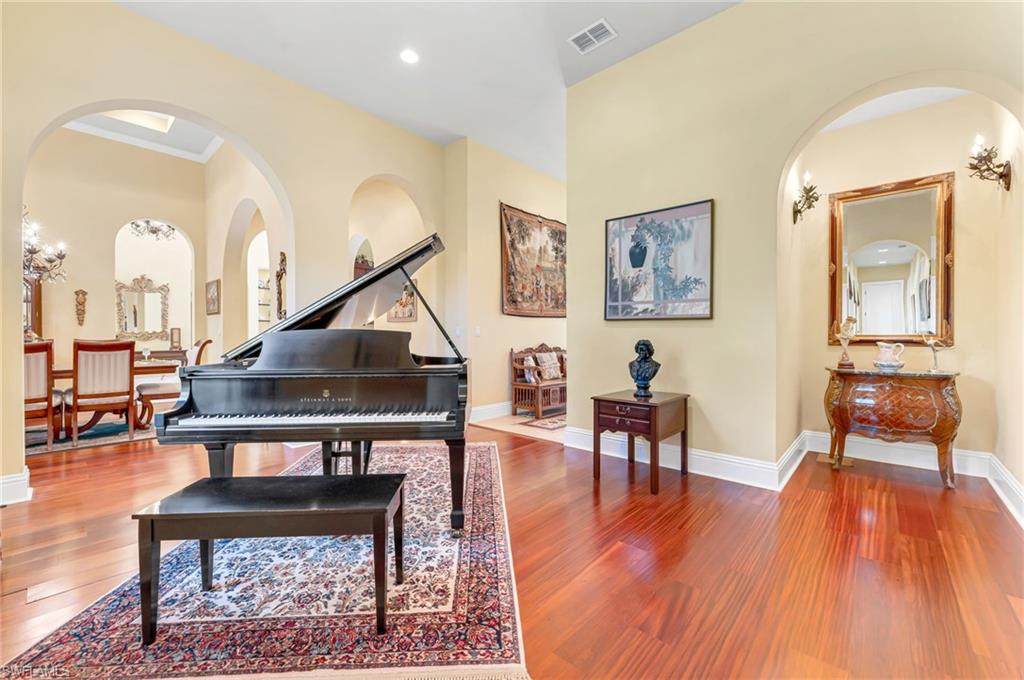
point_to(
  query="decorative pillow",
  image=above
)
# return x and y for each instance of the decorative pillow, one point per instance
(528, 361)
(549, 368)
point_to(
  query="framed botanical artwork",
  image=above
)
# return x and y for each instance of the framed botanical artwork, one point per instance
(532, 264)
(658, 264)
(213, 297)
(405, 309)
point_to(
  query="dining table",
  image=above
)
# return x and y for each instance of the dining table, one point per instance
(142, 367)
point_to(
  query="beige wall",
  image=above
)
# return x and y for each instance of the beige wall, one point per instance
(82, 189)
(313, 150)
(932, 140)
(720, 111)
(494, 178)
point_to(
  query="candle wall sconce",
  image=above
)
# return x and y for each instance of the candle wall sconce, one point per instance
(983, 163)
(808, 197)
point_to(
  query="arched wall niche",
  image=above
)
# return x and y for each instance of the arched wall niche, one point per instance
(383, 213)
(989, 252)
(167, 261)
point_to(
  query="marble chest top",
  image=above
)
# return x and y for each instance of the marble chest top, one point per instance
(904, 374)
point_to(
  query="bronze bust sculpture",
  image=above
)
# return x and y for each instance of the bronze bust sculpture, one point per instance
(643, 369)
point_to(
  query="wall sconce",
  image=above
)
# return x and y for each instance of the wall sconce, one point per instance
(808, 197)
(983, 165)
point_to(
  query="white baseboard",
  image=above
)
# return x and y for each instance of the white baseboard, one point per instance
(775, 475)
(760, 473)
(922, 456)
(15, 488)
(489, 411)
(1008, 488)
(299, 445)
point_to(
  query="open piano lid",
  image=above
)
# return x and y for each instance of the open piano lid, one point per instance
(358, 302)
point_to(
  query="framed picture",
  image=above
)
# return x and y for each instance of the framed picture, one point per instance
(658, 264)
(213, 297)
(532, 264)
(405, 309)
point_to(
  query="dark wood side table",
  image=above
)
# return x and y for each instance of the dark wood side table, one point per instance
(654, 419)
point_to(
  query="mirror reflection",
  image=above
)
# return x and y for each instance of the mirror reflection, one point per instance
(889, 251)
(142, 312)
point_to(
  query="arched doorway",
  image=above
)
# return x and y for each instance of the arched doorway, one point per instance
(257, 284)
(149, 248)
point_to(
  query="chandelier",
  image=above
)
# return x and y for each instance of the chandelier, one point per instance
(156, 229)
(40, 261)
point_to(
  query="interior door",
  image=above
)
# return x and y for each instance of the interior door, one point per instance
(882, 308)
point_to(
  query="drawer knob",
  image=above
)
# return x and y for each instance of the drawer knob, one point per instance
(622, 409)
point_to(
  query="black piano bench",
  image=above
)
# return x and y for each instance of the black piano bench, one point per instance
(249, 507)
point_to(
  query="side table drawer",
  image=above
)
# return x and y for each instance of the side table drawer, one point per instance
(611, 408)
(620, 424)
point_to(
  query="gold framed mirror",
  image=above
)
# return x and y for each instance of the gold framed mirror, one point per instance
(891, 261)
(141, 309)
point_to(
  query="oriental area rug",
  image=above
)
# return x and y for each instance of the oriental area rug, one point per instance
(304, 607)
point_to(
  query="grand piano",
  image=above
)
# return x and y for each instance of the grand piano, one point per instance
(318, 376)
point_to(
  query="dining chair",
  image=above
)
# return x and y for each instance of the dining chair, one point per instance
(41, 399)
(169, 386)
(103, 379)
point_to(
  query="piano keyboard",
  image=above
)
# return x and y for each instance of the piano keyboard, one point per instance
(275, 419)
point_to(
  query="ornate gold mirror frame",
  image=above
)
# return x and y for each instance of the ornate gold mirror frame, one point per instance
(142, 284)
(944, 257)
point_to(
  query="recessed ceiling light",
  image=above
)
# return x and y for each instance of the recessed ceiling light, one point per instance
(409, 56)
(883, 250)
(882, 262)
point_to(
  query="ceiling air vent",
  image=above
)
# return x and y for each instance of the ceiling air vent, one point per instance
(592, 36)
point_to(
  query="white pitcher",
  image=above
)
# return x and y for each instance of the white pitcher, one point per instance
(888, 359)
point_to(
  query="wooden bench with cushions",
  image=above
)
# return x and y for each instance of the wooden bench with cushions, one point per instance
(539, 380)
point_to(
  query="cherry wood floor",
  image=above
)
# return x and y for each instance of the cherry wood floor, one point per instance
(875, 571)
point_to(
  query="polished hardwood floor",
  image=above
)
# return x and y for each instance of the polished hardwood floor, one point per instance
(874, 571)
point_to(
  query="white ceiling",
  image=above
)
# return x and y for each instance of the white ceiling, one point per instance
(885, 254)
(897, 102)
(184, 139)
(496, 72)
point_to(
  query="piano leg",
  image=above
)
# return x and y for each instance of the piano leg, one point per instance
(457, 470)
(327, 455)
(367, 445)
(222, 459)
(357, 458)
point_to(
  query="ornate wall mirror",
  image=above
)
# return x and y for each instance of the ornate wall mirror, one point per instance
(891, 261)
(141, 309)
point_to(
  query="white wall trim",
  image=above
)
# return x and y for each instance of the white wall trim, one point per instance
(1008, 488)
(775, 475)
(489, 411)
(771, 475)
(14, 488)
(921, 456)
(294, 446)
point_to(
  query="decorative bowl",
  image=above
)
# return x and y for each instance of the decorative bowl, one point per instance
(888, 367)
